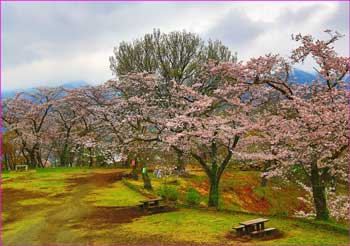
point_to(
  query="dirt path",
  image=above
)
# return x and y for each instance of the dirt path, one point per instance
(58, 224)
(68, 217)
(58, 219)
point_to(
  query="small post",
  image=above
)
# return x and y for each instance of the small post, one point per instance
(146, 180)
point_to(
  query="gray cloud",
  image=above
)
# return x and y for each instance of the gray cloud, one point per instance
(235, 29)
(299, 16)
(340, 20)
(47, 43)
(40, 30)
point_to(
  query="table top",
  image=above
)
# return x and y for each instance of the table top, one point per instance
(152, 200)
(252, 222)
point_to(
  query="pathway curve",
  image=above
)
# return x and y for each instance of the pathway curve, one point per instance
(53, 224)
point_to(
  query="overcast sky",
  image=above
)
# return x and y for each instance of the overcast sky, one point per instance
(48, 43)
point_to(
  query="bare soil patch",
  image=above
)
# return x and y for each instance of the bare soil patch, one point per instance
(273, 236)
(10, 199)
(102, 217)
(97, 179)
(11, 196)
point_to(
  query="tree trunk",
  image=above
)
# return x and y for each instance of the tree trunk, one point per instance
(25, 157)
(214, 192)
(319, 194)
(214, 174)
(91, 160)
(146, 182)
(32, 159)
(180, 164)
(8, 161)
(48, 155)
(81, 156)
(263, 181)
(267, 164)
(39, 159)
(215, 171)
(63, 156)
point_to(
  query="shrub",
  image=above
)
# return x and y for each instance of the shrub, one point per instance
(174, 182)
(193, 198)
(168, 192)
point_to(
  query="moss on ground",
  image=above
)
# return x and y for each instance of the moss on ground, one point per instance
(52, 181)
(37, 208)
(117, 195)
(39, 201)
(197, 226)
(26, 229)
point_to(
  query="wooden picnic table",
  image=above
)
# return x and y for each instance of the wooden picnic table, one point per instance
(254, 225)
(150, 203)
(250, 227)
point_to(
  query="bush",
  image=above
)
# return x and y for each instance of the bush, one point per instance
(169, 193)
(174, 182)
(193, 198)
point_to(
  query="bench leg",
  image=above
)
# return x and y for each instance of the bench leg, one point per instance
(249, 229)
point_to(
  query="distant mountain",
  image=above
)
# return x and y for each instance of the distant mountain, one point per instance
(75, 84)
(297, 76)
(301, 77)
(71, 85)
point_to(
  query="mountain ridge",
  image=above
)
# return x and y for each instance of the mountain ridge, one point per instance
(297, 76)
(69, 85)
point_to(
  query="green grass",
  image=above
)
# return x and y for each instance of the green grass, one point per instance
(49, 186)
(38, 201)
(46, 180)
(182, 226)
(200, 226)
(117, 195)
(18, 230)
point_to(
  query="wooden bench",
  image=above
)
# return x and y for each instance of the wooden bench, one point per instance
(270, 230)
(239, 230)
(263, 232)
(160, 206)
(21, 167)
(151, 203)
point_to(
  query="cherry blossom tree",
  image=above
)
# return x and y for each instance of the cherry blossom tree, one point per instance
(27, 116)
(96, 131)
(177, 56)
(229, 110)
(206, 126)
(309, 130)
(65, 123)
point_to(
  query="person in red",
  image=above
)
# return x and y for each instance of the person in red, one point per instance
(134, 171)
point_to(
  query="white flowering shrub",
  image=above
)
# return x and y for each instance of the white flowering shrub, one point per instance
(338, 205)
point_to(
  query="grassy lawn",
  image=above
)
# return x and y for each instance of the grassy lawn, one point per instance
(200, 226)
(117, 195)
(83, 205)
(240, 191)
(52, 181)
